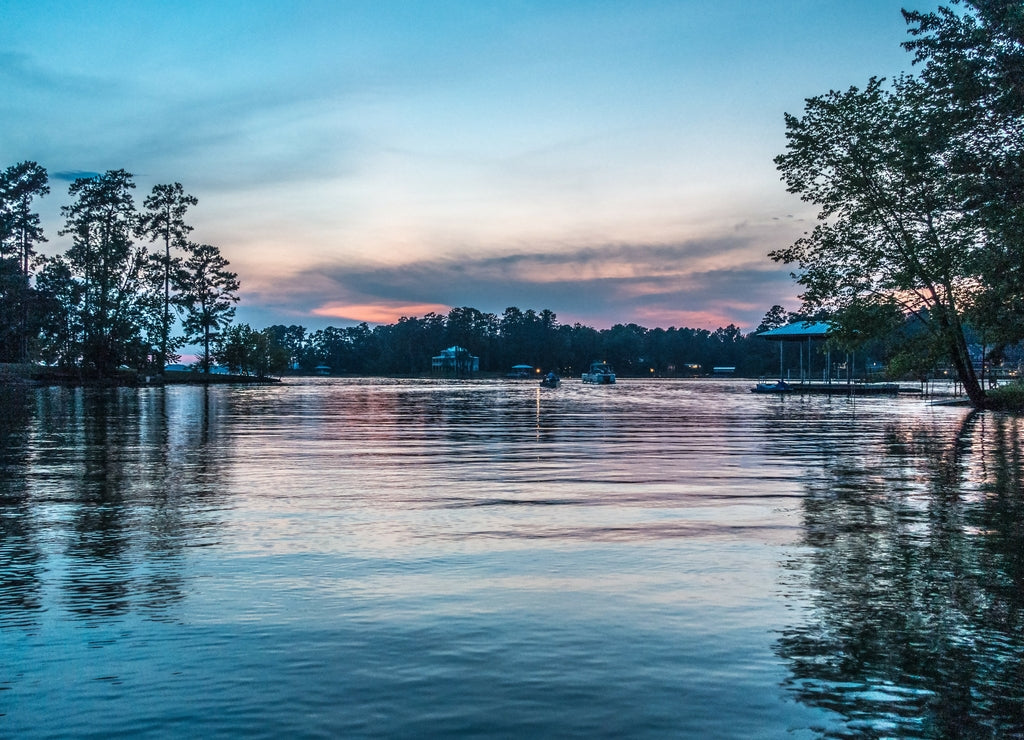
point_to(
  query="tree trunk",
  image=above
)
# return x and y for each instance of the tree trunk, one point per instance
(165, 325)
(964, 368)
(25, 292)
(206, 352)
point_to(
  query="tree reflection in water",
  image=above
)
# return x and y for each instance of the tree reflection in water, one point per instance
(101, 492)
(914, 561)
(20, 559)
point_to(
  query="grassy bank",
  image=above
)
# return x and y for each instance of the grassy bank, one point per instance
(1008, 397)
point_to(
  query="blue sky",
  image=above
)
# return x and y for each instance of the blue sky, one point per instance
(610, 161)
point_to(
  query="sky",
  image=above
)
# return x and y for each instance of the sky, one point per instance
(366, 160)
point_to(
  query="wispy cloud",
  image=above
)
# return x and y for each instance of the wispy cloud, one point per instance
(700, 284)
(27, 73)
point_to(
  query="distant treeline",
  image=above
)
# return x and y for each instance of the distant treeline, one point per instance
(529, 337)
(516, 337)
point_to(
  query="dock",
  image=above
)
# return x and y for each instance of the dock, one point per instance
(839, 388)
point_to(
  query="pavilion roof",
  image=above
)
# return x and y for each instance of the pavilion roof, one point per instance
(799, 330)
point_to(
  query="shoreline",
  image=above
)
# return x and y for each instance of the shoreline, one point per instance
(40, 377)
(36, 376)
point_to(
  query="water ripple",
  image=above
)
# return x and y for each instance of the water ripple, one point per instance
(353, 557)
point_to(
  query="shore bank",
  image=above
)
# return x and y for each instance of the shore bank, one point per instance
(37, 375)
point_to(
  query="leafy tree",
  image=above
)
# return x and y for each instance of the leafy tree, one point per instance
(891, 231)
(472, 329)
(208, 296)
(775, 318)
(295, 343)
(947, 197)
(527, 336)
(164, 221)
(584, 346)
(405, 346)
(269, 357)
(973, 61)
(330, 348)
(354, 349)
(235, 348)
(514, 342)
(364, 348)
(20, 231)
(548, 339)
(624, 346)
(61, 295)
(20, 184)
(250, 352)
(101, 222)
(160, 347)
(12, 296)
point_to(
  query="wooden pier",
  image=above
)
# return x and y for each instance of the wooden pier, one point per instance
(837, 388)
(853, 389)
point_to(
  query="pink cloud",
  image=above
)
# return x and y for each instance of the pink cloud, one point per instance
(378, 313)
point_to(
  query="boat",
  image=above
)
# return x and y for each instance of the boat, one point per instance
(780, 387)
(600, 373)
(550, 381)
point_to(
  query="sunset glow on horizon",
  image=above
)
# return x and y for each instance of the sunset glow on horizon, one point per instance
(378, 313)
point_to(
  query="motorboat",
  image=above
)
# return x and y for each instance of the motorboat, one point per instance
(600, 373)
(780, 387)
(550, 381)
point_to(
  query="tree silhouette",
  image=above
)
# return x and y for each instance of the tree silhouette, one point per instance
(164, 221)
(208, 296)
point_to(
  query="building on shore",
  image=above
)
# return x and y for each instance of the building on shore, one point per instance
(455, 361)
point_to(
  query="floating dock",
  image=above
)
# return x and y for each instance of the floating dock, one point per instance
(840, 389)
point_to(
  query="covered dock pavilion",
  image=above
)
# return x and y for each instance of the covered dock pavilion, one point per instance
(806, 332)
(800, 333)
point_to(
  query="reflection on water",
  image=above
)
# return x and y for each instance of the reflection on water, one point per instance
(915, 567)
(19, 585)
(340, 558)
(100, 497)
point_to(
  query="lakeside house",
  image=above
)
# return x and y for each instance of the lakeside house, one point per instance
(455, 360)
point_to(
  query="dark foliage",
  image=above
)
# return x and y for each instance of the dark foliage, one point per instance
(521, 337)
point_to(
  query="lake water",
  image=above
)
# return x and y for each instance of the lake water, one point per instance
(338, 558)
